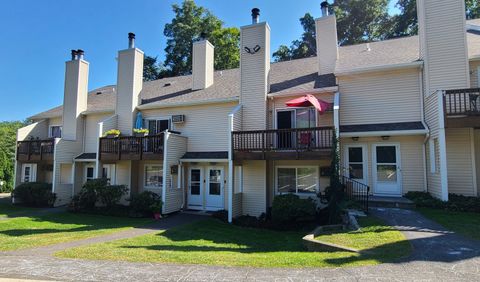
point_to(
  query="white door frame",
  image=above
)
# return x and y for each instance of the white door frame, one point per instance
(398, 192)
(222, 188)
(201, 205)
(85, 170)
(364, 160)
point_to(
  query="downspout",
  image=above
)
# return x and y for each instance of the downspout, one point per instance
(164, 176)
(230, 167)
(427, 136)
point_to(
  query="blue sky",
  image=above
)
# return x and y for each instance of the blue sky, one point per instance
(37, 36)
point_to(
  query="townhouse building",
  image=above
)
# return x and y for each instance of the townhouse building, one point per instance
(406, 112)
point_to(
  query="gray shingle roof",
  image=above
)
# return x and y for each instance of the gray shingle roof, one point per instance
(285, 77)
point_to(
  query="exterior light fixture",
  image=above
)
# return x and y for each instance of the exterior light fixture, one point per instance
(252, 51)
(385, 137)
(355, 138)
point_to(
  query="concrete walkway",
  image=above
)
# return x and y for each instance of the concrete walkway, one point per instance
(439, 255)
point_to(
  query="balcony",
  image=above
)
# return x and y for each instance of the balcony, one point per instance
(462, 107)
(283, 144)
(35, 150)
(132, 148)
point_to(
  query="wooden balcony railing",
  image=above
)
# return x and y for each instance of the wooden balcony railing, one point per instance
(462, 102)
(132, 148)
(288, 141)
(35, 150)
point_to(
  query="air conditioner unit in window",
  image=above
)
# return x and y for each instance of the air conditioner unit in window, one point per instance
(178, 118)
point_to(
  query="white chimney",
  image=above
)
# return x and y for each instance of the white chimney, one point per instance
(254, 70)
(75, 95)
(129, 85)
(443, 46)
(202, 64)
(327, 41)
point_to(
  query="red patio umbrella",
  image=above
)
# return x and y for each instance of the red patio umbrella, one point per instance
(307, 101)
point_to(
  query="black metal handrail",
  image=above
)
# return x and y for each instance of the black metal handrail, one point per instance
(356, 191)
(462, 102)
(299, 139)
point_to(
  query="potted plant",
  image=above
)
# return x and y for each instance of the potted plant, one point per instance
(140, 132)
(112, 133)
(156, 209)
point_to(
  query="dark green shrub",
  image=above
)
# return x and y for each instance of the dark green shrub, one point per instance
(110, 195)
(35, 194)
(290, 210)
(424, 199)
(222, 215)
(140, 203)
(248, 221)
(463, 203)
(97, 191)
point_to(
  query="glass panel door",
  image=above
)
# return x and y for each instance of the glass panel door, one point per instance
(386, 169)
(215, 182)
(195, 189)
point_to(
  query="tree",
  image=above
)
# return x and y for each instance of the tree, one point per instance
(151, 68)
(192, 22)
(226, 42)
(8, 133)
(302, 48)
(360, 21)
(473, 9)
(405, 23)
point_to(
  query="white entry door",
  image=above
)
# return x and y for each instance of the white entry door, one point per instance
(195, 189)
(215, 187)
(387, 177)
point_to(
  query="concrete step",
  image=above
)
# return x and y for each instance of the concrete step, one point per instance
(390, 202)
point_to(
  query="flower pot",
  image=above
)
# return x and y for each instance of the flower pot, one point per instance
(112, 135)
(157, 215)
(140, 134)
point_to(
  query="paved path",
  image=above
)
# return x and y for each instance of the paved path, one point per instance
(438, 255)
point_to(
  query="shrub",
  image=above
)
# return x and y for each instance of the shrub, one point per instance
(35, 194)
(248, 221)
(424, 199)
(97, 191)
(221, 215)
(140, 130)
(140, 203)
(289, 209)
(455, 202)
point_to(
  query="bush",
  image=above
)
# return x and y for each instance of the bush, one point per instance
(140, 203)
(249, 221)
(35, 194)
(455, 202)
(97, 191)
(221, 215)
(289, 210)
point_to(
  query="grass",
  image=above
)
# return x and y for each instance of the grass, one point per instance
(465, 223)
(34, 231)
(215, 243)
(9, 210)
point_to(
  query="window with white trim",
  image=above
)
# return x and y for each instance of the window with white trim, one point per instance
(89, 173)
(108, 172)
(29, 172)
(55, 131)
(153, 176)
(298, 180)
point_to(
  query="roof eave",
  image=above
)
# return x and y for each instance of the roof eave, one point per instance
(306, 92)
(384, 133)
(159, 104)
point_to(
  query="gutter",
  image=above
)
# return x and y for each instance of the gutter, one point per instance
(415, 64)
(159, 104)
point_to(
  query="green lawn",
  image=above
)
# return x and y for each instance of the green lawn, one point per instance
(216, 243)
(467, 224)
(28, 232)
(8, 210)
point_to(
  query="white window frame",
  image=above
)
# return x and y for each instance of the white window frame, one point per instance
(111, 173)
(85, 176)
(364, 159)
(33, 173)
(275, 118)
(317, 188)
(144, 174)
(50, 135)
(169, 118)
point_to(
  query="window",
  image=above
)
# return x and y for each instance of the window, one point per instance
(55, 131)
(153, 176)
(89, 173)
(355, 162)
(298, 180)
(108, 171)
(156, 126)
(433, 154)
(29, 172)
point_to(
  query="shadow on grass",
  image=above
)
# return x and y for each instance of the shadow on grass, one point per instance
(213, 236)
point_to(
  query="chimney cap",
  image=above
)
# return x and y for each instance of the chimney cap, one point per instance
(255, 12)
(324, 7)
(74, 54)
(131, 35)
(324, 4)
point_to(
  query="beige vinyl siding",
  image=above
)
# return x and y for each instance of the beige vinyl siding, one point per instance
(75, 98)
(176, 147)
(237, 120)
(38, 129)
(129, 85)
(254, 187)
(477, 157)
(237, 193)
(92, 132)
(123, 171)
(206, 126)
(325, 119)
(381, 97)
(65, 152)
(459, 155)
(474, 73)
(79, 176)
(411, 158)
(254, 70)
(432, 121)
